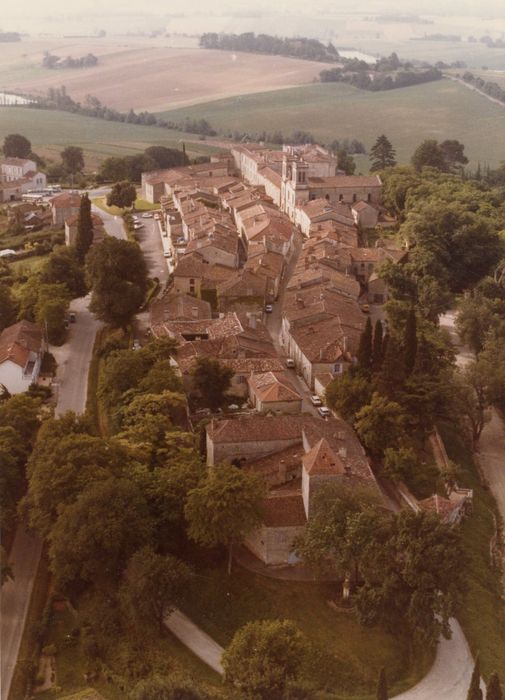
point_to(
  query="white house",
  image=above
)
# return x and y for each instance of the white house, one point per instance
(21, 352)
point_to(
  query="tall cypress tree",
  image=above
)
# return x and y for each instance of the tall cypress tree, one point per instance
(382, 686)
(474, 692)
(84, 237)
(494, 691)
(382, 154)
(378, 343)
(365, 347)
(410, 342)
(392, 374)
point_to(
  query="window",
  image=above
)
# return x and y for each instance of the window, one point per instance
(338, 368)
(340, 197)
(191, 280)
(312, 197)
(327, 197)
(369, 197)
(354, 197)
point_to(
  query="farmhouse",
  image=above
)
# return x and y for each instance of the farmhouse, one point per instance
(21, 351)
(17, 177)
(273, 392)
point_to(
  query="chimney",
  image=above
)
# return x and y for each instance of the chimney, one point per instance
(342, 452)
(282, 472)
(344, 343)
(321, 353)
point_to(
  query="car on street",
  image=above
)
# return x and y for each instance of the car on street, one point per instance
(137, 225)
(167, 254)
(324, 412)
(316, 401)
(147, 215)
(72, 317)
(269, 308)
(290, 363)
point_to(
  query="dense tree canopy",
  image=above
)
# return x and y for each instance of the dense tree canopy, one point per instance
(263, 657)
(16, 146)
(224, 507)
(73, 159)
(62, 267)
(122, 195)
(212, 380)
(117, 274)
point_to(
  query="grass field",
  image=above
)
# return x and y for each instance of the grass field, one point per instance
(50, 131)
(146, 74)
(437, 110)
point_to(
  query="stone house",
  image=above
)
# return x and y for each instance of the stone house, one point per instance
(243, 290)
(71, 229)
(273, 392)
(64, 206)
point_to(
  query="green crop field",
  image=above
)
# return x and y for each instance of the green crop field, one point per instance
(438, 110)
(50, 131)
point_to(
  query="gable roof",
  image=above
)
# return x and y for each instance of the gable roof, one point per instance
(272, 387)
(322, 460)
(19, 340)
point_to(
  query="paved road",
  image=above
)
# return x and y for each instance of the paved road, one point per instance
(73, 359)
(450, 675)
(195, 639)
(150, 241)
(464, 355)
(15, 600)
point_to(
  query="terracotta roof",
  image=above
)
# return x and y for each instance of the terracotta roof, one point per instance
(65, 200)
(244, 283)
(179, 307)
(284, 509)
(322, 460)
(72, 220)
(273, 387)
(213, 328)
(278, 467)
(256, 429)
(19, 340)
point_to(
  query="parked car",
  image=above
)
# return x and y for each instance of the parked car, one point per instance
(136, 344)
(137, 225)
(157, 216)
(324, 412)
(316, 401)
(269, 308)
(147, 215)
(72, 317)
(167, 254)
(290, 363)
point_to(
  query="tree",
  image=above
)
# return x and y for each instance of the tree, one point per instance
(453, 154)
(382, 154)
(365, 349)
(8, 307)
(62, 267)
(167, 157)
(380, 424)
(474, 691)
(156, 687)
(123, 194)
(50, 311)
(224, 507)
(412, 567)
(263, 657)
(16, 146)
(154, 585)
(73, 159)
(346, 162)
(117, 273)
(348, 394)
(340, 515)
(429, 154)
(84, 237)
(494, 691)
(212, 380)
(410, 342)
(382, 686)
(94, 537)
(377, 346)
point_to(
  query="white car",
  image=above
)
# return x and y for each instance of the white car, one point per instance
(316, 401)
(147, 215)
(324, 412)
(167, 254)
(269, 308)
(290, 363)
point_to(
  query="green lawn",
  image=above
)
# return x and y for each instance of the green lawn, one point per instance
(438, 110)
(140, 205)
(50, 131)
(28, 266)
(346, 658)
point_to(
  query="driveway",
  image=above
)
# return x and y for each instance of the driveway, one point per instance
(450, 675)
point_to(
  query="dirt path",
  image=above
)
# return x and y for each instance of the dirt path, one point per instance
(195, 639)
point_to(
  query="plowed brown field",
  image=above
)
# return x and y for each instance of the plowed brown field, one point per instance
(148, 75)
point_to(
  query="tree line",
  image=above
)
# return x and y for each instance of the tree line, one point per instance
(298, 47)
(490, 88)
(54, 62)
(375, 82)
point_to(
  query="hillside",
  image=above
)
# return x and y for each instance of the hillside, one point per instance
(50, 131)
(437, 110)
